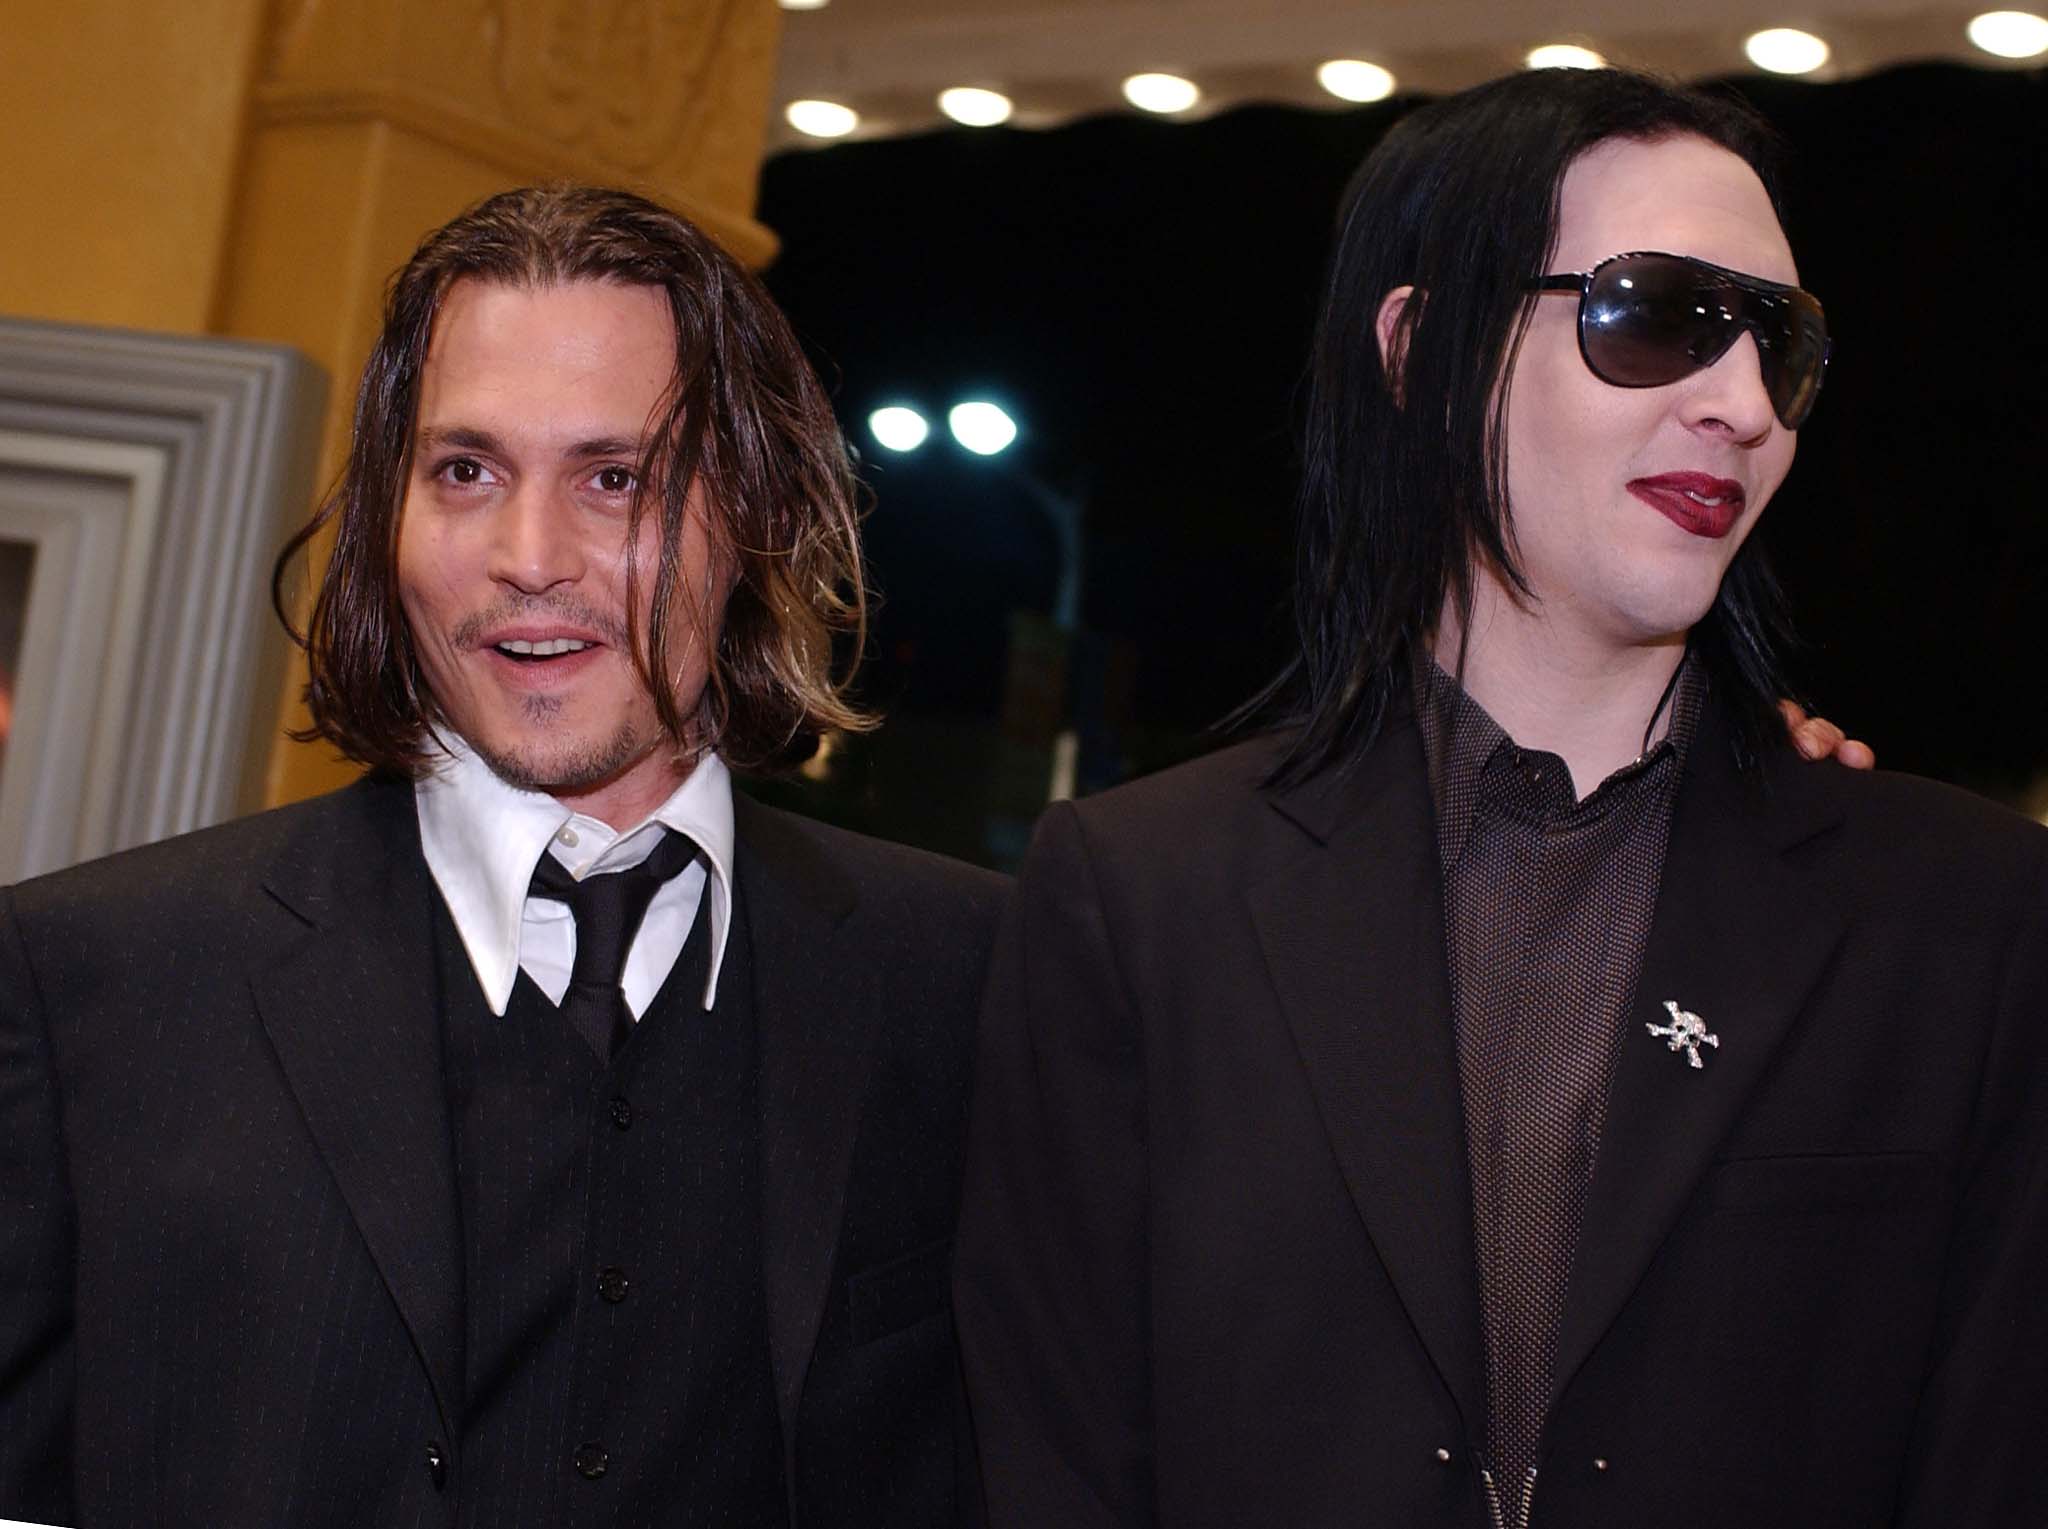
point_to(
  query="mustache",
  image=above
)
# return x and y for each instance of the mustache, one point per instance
(568, 608)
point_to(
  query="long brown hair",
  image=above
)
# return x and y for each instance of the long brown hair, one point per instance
(744, 414)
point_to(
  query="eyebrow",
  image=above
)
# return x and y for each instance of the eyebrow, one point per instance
(469, 438)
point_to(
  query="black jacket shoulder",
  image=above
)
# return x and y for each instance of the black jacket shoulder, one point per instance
(199, 875)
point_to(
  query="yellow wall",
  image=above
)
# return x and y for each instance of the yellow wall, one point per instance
(122, 125)
(258, 170)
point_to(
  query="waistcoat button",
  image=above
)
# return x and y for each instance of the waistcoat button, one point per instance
(591, 1460)
(622, 1114)
(437, 1465)
(612, 1284)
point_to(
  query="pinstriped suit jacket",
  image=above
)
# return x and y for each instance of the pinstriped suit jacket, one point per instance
(230, 1259)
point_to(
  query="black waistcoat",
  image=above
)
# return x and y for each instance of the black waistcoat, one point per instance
(617, 1349)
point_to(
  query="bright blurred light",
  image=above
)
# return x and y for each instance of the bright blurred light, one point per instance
(981, 427)
(2010, 34)
(1786, 50)
(1353, 79)
(1165, 93)
(973, 107)
(821, 119)
(804, 5)
(898, 428)
(1564, 55)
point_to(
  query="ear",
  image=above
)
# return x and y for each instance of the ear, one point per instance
(1392, 326)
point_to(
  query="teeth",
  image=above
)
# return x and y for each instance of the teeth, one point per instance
(547, 649)
(1718, 499)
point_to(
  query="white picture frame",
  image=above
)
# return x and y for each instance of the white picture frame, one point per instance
(155, 477)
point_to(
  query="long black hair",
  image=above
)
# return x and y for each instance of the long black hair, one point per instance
(1401, 505)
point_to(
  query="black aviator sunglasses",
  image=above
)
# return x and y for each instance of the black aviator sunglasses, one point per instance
(1647, 319)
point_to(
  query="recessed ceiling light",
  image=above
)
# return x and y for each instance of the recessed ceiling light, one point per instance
(1564, 55)
(821, 119)
(974, 107)
(1786, 50)
(1165, 93)
(1353, 79)
(2010, 34)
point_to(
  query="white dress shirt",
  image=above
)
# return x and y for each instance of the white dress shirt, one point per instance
(482, 839)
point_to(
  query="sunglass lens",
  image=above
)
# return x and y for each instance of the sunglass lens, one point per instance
(1802, 358)
(1652, 319)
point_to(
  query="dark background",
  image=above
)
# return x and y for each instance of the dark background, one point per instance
(1140, 294)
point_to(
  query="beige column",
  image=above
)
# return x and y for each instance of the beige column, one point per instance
(258, 170)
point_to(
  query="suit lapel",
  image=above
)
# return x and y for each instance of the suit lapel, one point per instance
(1354, 944)
(1738, 941)
(817, 1009)
(351, 1010)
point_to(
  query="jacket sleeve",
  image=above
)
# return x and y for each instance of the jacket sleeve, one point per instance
(36, 1237)
(1050, 1278)
(1975, 1456)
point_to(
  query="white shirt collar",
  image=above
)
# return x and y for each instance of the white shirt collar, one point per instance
(482, 838)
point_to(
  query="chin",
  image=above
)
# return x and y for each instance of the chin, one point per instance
(557, 764)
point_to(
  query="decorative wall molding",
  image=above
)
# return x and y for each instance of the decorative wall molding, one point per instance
(631, 86)
(157, 476)
(524, 155)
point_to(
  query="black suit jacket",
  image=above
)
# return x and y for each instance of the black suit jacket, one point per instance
(230, 1259)
(1216, 1262)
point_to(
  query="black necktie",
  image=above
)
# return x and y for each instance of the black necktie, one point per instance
(608, 909)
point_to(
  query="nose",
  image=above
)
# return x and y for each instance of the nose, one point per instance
(535, 545)
(1729, 398)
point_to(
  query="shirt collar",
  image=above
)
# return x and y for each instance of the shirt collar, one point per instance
(1463, 745)
(482, 838)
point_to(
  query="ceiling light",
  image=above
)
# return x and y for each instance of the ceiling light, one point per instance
(804, 5)
(1353, 79)
(2010, 34)
(1165, 93)
(981, 427)
(821, 119)
(1564, 55)
(1786, 50)
(899, 428)
(973, 107)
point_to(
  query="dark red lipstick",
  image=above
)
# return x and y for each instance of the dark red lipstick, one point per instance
(1696, 502)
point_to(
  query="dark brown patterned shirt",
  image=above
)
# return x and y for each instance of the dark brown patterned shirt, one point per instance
(1547, 908)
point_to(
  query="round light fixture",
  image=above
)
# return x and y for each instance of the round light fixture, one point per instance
(981, 427)
(821, 119)
(899, 428)
(1786, 50)
(1564, 55)
(2010, 34)
(1163, 93)
(1353, 79)
(973, 107)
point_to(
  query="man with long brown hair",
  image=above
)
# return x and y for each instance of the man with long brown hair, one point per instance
(535, 1132)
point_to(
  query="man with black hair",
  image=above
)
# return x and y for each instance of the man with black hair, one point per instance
(1511, 1090)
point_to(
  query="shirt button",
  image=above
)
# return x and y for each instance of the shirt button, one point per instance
(591, 1460)
(622, 1114)
(1443, 1456)
(568, 838)
(1600, 1463)
(612, 1284)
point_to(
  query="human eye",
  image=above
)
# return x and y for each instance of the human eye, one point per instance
(614, 479)
(463, 472)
